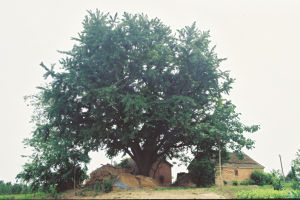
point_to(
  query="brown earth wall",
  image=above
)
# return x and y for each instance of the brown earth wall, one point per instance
(228, 174)
(163, 170)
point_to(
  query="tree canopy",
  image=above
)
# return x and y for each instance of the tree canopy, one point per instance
(296, 165)
(130, 85)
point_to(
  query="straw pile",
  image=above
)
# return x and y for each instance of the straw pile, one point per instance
(124, 179)
(137, 181)
(102, 173)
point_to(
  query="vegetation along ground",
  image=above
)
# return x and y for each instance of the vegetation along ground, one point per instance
(228, 191)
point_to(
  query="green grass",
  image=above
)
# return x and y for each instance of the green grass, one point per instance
(25, 196)
(264, 194)
(229, 191)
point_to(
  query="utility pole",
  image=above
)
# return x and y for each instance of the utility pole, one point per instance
(74, 180)
(220, 165)
(281, 168)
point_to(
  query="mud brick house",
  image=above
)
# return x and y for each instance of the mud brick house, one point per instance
(236, 169)
(160, 171)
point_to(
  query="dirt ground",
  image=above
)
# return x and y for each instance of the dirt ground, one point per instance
(147, 194)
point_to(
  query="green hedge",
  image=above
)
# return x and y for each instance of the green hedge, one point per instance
(259, 177)
(264, 194)
(248, 182)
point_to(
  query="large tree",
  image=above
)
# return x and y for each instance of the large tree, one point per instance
(130, 85)
(296, 165)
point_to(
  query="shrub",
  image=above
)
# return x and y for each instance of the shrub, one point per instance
(264, 194)
(42, 188)
(247, 182)
(80, 193)
(202, 170)
(235, 182)
(123, 164)
(269, 178)
(258, 177)
(251, 182)
(295, 194)
(113, 177)
(277, 184)
(291, 175)
(97, 186)
(296, 185)
(52, 191)
(107, 185)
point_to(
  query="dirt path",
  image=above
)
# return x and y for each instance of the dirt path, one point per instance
(152, 194)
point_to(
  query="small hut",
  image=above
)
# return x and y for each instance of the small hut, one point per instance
(238, 169)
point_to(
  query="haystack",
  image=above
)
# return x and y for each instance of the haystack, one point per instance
(102, 173)
(123, 180)
(138, 181)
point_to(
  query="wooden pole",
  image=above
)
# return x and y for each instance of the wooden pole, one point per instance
(220, 165)
(74, 178)
(281, 168)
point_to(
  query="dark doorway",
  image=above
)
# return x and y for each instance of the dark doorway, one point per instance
(161, 179)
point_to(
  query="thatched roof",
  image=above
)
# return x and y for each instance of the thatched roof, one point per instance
(246, 162)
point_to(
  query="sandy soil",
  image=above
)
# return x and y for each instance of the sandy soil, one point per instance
(148, 194)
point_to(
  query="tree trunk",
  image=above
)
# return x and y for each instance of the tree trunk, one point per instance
(144, 164)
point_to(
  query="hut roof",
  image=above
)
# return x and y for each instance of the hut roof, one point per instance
(246, 162)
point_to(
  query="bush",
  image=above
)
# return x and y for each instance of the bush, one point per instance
(107, 185)
(123, 164)
(264, 194)
(269, 178)
(113, 177)
(52, 192)
(235, 182)
(9, 188)
(277, 184)
(202, 170)
(258, 177)
(291, 175)
(97, 186)
(296, 185)
(295, 194)
(247, 182)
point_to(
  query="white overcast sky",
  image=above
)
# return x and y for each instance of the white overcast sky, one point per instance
(259, 38)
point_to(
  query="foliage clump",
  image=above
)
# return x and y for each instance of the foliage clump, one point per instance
(277, 183)
(53, 192)
(202, 170)
(295, 194)
(123, 163)
(235, 182)
(97, 186)
(9, 188)
(296, 185)
(107, 185)
(259, 177)
(248, 182)
(291, 175)
(296, 166)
